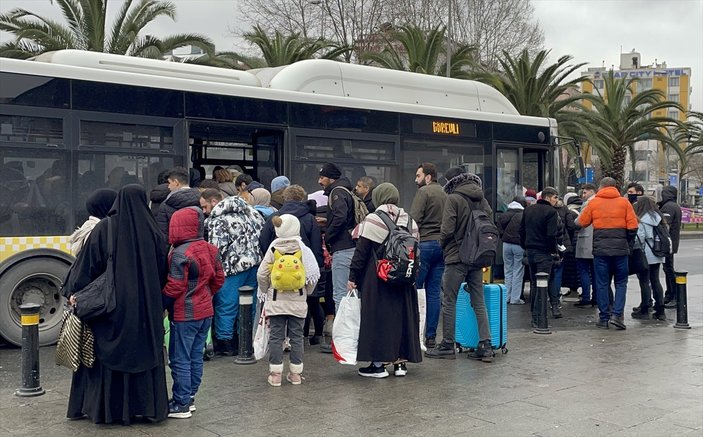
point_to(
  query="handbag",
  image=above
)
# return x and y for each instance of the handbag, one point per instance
(76, 342)
(637, 261)
(98, 297)
(261, 338)
(345, 331)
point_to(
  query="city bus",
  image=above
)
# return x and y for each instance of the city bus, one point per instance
(73, 121)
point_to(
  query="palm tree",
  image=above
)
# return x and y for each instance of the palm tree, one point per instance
(284, 50)
(690, 133)
(622, 117)
(85, 29)
(412, 49)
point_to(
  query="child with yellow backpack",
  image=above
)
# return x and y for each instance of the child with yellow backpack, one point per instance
(286, 276)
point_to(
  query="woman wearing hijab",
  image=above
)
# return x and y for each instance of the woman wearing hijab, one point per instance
(98, 205)
(390, 318)
(128, 378)
(262, 202)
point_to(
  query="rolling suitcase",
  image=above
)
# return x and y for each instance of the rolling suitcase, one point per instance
(496, 297)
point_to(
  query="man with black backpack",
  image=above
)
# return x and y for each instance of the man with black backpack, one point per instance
(464, 207)
(345, 211)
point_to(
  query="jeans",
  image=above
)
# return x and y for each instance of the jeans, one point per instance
(226, 302)
(542, 262)
(454, 275)
(557, 271)
(650, 284)
(341, 260)
(185, 353)
(603, 267)
(514, 270)
(278, 325)
(670, 278)
(430, 278)
(585, 270)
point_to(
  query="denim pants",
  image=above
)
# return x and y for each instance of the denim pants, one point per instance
(430, 278)
(226, 302)
(514, 270)
(454, 275)
(341, 260)
(542, 262)
(603, 268)
(185, 353)
(585, 270)
(277, 325)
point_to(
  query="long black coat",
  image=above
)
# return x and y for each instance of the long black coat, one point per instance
(128, 378)
(390, 319)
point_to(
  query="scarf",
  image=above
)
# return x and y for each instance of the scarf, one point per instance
(374, 229)
(80, 236)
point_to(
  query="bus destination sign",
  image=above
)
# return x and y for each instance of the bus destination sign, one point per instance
(444, 128)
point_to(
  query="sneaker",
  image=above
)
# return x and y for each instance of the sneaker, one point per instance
(372, 371)
(176, 411)
(191, 404)
(602, 324)
(430, 342)
(325, 348)
(670, 304)
(556, 312)
(583, 304)
(400, 369)
(640, 315)
(517, 302)
(294, 378)
(483, 352)
(315, 339)
(274, 379)
(618, 322)
(286, 344)
(638, 309)
(443, 350)
(661, 316)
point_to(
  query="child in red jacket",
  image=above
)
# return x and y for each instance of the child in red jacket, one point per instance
(194, 276)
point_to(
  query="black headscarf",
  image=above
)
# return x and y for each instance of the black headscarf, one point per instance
(130, 339)
(100, 202)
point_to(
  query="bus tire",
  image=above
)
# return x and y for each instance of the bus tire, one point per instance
(36, 280)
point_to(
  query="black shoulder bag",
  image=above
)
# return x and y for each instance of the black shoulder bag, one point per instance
(98, 298)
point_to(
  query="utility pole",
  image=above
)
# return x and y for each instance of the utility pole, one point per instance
(449, 39)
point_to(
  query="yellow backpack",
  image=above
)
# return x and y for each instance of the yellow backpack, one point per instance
(287, 272)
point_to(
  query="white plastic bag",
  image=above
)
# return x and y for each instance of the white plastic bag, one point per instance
(422, 306)
(261, 338)
(345, 331)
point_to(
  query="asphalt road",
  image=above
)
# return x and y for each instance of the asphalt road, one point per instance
(690, 256)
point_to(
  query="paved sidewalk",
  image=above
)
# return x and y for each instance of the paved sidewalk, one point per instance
(579, 381)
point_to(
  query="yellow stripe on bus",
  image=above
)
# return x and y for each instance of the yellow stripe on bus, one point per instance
(10, 246)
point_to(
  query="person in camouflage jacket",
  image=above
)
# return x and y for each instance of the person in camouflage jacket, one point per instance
(234, 228)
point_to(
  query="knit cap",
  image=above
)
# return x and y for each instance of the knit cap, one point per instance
(286, 226)
(331, 171)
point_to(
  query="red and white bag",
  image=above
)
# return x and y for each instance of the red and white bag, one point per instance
(422, 306)
(345, 331)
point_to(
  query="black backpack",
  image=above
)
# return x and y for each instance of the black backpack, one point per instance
(399, 262)
(479, 247)
(661, 246)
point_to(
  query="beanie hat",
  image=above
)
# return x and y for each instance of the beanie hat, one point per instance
(331, 171)
(453, 172)
(286, 226)
(279, 183)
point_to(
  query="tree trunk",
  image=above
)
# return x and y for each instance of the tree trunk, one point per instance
(618, 168)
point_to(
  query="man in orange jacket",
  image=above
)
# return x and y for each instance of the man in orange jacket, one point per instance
(614, 229)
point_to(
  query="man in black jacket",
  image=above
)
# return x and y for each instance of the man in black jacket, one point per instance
(340, 222)
(181, 196)
(539, 230)
(672, 214)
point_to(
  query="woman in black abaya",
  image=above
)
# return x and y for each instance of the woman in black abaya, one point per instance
(390, 319)
(128, 378)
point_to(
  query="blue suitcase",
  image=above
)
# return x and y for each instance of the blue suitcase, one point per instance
(497, 308)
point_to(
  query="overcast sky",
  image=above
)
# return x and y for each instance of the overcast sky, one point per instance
(592, 31)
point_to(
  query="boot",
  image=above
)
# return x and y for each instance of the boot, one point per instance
(294, 376)
(556, 312)
(483, 352)
(274, 378)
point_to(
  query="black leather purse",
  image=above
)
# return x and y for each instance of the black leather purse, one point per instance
(98, 298)
(637, 261)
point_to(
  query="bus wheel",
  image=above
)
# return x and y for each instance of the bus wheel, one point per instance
(36, 280)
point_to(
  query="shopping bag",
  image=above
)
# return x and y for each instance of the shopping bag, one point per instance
(75, 345)
(261, 338)
(345, 331)
(422, 306)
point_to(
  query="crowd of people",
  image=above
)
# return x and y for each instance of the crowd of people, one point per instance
(190, 249)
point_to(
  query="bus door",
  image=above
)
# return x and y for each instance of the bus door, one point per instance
(254, 149)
